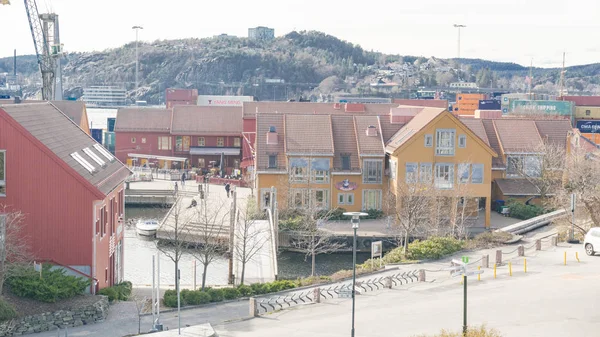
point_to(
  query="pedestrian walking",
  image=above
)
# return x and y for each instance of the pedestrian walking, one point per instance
(182, 179)
(227, 189)
(176, 188)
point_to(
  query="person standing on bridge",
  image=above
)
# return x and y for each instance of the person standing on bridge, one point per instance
(227, 189)
(183, 179)
(176, 188)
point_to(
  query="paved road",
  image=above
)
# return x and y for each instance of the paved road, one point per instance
(550, 300)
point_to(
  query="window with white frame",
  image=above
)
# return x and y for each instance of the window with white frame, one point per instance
(428, 140)
(445, 142)
(319, 170)
(132, 140)
(372, 171)
(201, 141)
(298, 170)
(83, 162)
(236, 142)
(94, 157)
(524, 165)
(320, 198)
(300, 198)
(104, 152)
(477, 174)
(371, 200)
(143, 140)
(220, 141)
(164, 143)
(393, 168)
(2, 173)
(345, 198)
(444, 176)
(462, 141)
(412, 174)
(463, 173)
(425, 173)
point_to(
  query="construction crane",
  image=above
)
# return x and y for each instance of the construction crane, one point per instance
(46, 40)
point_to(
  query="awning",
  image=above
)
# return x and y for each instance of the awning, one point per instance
(517, 187)
(214, 151)
(149, 156)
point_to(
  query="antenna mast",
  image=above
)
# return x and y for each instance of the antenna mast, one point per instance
(562, 77)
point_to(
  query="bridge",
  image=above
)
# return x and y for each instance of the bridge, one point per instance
(142, 197)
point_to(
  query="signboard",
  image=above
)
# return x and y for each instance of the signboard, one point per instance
(588, 126)
(346, 185)
(208, 100)
(376, 251)
(563, 108)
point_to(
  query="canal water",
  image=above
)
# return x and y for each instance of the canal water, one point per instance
(139, 252)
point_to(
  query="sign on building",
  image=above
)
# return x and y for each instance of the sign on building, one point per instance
(209, 100)
(588, 126)
(562, 108)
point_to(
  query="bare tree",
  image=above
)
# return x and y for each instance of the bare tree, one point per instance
(14, 247)
(210, 226)
(249, 238)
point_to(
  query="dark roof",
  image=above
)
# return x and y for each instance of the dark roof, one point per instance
(143, 120)
(554, 131)
(517, 187)
(253, 108)
(206, 120)
(263, 123)
(73, 109)
(518, 135)
(63, 137)
(490, 131)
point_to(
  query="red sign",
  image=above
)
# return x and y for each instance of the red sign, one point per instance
(346, 185)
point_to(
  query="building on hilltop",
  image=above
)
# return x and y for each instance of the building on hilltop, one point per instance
(69, 188)
(105, 96)
(261, 33)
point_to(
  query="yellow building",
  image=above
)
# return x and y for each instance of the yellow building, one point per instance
(441, 154)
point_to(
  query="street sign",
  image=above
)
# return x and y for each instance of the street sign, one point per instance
(345, 293)
(465, 259)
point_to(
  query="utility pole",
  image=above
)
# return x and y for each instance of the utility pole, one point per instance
(458, 57)
(137, 67)
(232, 223)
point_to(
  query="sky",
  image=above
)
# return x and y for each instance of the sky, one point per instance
(519, 31)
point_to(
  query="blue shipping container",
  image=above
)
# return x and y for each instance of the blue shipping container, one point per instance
(589, 126)
(97, 135)
(489, 104)
(110, 122)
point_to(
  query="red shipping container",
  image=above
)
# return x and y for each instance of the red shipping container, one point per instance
(181, 94)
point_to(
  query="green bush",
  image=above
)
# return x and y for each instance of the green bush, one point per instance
(524, 212)
(374, 214)
(170, 301)
(203, 296)
(395, 255)
(192, 297)
(6, 310)
(231, 293)
(124, 290)
(433, 248)
(280, 285)
(259, 288)
(53, 285)
(184, 294)
(110, 292)
(291, 224)
(245, 290)
(216, 295)
(171, 292)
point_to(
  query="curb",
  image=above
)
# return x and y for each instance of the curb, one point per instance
(207, 305)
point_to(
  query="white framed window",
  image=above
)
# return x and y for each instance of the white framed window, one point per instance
(164, 143)
(298, 174)
(3, 173)
(320, 176)
(445, 142)
(201, 141)
(524, 165)
(319, 170)
(372, 171)
(104, 152)
(426, 173)
(94, 157)
(132, 140)
(477, 174)
(393, 168)
(444, 176)
(220, 141)
(428, 140)
(201, 162)
(463, 173)
(143, 140)
(300, 198)
(462, 141)
(320, 198)
(371, 200)
(236, 142)
(83, 162)
(345, 198)
(412, 174)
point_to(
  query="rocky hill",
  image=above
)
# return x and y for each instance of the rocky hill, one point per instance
(309, 64)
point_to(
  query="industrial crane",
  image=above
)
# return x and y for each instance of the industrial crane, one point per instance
(46, 40)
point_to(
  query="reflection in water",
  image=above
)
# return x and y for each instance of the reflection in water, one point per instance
(139, 251)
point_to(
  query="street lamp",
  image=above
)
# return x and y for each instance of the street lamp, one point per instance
(137, 68)
(355, 221)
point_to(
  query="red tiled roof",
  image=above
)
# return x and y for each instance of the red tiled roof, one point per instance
(368, 145)
(554, 131)
(412, 127)
(308, 134)
(143, 120)
(517, 135)
(517, 187)
(344, 141)
(432, 103)
(476, 125)
(582, 100)
(490, 132)
(355, 107)
(206, 120)
(252, 108)
(388, 129)
(263, 123)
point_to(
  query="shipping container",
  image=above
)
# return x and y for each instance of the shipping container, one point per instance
(181, 95)
(586, 126)
(206, 100)
(471, 96)
(593, 137)
(97, 135)
(109, 141)
(587, 112)
(562, 108)
(489, 104)
(171, 104)
(110, 124)
(488, 114)
(582, 100)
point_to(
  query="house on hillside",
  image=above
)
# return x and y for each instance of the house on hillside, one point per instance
(70, 189)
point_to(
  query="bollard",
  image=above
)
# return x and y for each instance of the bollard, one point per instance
(509, 268)
(499, 257)
(479, 275)
(422, 277)
(525, 265)
(494, 270)
(253, 308)
(388, 282)
(554, 240)
(485, 261)
(317, 295)
(577, 256)
(565, 258)
(521, 250)
(538, 245)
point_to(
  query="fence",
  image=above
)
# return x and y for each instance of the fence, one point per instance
(388, 279)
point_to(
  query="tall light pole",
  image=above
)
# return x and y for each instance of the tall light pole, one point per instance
(355, 222)
(137, 67)
(459, 27)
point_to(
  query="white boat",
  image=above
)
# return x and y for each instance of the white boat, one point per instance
(147, 227)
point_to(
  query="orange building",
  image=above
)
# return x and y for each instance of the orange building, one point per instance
(466, 104)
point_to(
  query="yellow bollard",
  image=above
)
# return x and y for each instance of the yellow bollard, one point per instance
(577, 256)
(479, 275)
(565, 258)
(494, 270)
(525, 264)
(509, 268)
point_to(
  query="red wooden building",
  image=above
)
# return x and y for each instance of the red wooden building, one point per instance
(69, 188)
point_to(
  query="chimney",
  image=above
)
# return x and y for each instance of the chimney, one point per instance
(272, 138)
(337, 106)
(371, 131)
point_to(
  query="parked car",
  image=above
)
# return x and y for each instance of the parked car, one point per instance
(592, 241)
